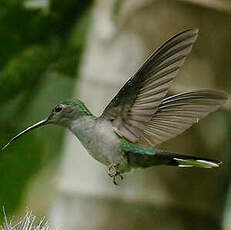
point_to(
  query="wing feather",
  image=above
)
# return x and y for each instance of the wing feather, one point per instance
(139, 99)
(179, 112)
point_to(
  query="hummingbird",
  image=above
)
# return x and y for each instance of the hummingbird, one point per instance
(141, 116)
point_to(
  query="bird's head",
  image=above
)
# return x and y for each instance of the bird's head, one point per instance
(62, 114)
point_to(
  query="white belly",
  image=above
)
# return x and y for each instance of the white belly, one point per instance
(100, 140)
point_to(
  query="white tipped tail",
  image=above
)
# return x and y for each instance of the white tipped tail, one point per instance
(201, 163)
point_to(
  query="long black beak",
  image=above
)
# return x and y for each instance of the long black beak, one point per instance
(38, 124)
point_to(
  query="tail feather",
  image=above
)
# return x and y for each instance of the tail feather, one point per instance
(159, 157)
(141, 157)
(186, 161)
(200, 163)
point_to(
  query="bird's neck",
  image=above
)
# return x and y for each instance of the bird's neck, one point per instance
(98, 137)
(83, 127)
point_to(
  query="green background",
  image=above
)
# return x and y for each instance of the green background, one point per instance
(39, 57)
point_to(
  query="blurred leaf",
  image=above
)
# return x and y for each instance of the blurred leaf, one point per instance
(25, 70)
(17, 165)
(32, 80)
(71, 55)
(36, 4)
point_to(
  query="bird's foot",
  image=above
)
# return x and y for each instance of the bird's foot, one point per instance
(114, 173)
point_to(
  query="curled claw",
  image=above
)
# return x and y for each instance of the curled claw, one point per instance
(112, 170)
(115, 176)
(114, 173)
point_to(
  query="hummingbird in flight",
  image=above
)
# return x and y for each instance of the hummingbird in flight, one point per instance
(140, 116)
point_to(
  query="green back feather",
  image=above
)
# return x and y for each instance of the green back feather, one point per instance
(134, 148)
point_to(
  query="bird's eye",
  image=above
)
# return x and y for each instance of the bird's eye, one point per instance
(58, 108)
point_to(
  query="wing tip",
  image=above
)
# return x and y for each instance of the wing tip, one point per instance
(206, 93)
(195, 30)
(221, 95)
(190, 33)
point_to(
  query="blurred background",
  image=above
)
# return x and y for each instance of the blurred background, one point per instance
(54, 50)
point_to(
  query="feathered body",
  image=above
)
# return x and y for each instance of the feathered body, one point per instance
(141, 116)
(98, 137)
(102, 142)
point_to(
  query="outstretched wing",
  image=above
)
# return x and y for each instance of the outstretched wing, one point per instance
(179, 112)
(133, 107)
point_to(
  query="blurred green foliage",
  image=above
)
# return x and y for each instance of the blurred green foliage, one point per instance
(39, 57)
